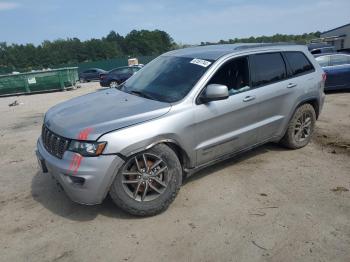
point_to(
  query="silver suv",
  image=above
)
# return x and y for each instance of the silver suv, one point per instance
(185, 110)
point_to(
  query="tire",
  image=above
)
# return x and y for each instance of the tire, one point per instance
(113, 84)
(300, 127)
(128, 181)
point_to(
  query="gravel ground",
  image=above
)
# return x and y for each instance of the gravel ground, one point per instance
(271, 204)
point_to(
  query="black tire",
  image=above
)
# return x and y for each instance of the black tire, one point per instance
(122, 198)
(291, 138)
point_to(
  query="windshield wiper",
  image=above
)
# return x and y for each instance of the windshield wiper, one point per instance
(142, 94)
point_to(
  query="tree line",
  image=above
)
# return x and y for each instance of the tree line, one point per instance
(20, 57)
(277, 38)
(25, 57)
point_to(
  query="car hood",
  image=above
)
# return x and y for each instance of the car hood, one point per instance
(90, 116)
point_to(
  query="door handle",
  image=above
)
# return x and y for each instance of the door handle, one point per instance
(291, 85)
(248, 98)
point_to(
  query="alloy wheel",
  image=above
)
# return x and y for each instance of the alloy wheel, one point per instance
(145, 177)
(113, 84)
(302, 127)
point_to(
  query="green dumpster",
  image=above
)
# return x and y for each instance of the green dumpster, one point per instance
(38, 81)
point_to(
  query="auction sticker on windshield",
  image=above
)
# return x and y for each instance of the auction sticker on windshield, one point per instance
(200, 62)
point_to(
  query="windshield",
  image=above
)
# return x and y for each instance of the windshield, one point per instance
(167, 78)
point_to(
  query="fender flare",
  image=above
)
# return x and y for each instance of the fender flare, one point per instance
(172, 143)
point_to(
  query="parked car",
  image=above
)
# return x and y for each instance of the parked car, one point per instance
(321, 48)
(185, 110)
(118, 75)
(337, 69)
(90, 74)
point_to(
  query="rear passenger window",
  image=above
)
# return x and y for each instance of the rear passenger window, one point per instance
(299, 63)
(267, 68)
(124, 71)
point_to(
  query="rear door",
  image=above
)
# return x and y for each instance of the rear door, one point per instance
(279, 83)
(123, 74)
(128, 73)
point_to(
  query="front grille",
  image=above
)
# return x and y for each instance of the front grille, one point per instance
(56, 145)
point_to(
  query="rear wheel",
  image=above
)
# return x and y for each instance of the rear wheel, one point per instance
(148, 182)
(300, 128)
(113, 84)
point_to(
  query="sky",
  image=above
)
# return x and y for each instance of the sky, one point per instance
(187, 21)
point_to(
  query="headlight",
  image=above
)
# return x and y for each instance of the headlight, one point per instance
(87, 148)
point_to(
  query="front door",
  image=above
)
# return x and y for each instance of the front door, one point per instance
(226, 126)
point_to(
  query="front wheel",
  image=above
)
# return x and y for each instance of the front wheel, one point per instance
(300, 128)
(148, 182)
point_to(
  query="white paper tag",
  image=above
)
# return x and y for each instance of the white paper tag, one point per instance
(31, 80)
(200, 62)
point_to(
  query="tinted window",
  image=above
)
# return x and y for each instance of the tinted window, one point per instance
(328, 50)
(267, 68)
(323, 50)
(127, 70)
(124, 70)
(115, 71)
(135, 69)
(233, 74)
(323, 60)
(339, 60)
(167, 78)
(299, 63)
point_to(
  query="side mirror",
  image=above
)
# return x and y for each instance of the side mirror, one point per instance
(214, 92)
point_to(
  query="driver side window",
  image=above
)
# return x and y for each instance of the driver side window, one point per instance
(233, 74)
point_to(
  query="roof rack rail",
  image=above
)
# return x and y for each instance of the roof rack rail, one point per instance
(249, 46)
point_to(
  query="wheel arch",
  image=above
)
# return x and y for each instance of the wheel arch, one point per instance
(173, 144)
(180, 152)
(113, 79)
(312, 101)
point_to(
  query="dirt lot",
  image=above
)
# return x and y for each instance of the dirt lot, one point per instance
(270, 204)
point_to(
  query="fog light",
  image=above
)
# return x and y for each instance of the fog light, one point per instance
(77, 180)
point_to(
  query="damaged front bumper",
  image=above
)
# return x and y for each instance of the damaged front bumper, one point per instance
(86, 180)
